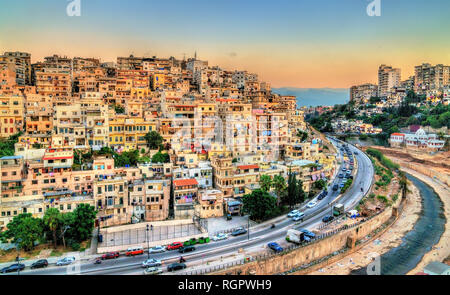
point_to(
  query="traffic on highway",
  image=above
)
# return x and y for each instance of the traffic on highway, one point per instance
(179, 256)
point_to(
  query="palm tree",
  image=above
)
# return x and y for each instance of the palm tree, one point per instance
(279, 185)
(266, 182)
(52, 220)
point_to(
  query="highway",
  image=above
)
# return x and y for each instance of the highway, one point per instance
(262, 236)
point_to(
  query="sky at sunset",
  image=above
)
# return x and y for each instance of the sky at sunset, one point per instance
(298, 43)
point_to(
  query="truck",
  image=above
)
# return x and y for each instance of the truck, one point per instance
(296, 236)
(338, 209)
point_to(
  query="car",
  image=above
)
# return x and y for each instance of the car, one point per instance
(328, 218)
(293, 213)
(275, 247)
(39, 264)
(356, 153)
(239, 231)
(175, 266)
(299, 217)
(311, 204)
(110, 255)
(151, 263)
(156, 249)
(341, 185)
(186, 249)
(322, 195)
(13, 268)
(65, 261)
(174, 246)
(220, 237)
(308, 233)
(340, 175)
(335, 187)
(134, 251)
(153, 271)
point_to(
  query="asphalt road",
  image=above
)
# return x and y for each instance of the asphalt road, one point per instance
(313, 217)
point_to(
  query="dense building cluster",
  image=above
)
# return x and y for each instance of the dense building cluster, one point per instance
(431, 81)
(84, 132)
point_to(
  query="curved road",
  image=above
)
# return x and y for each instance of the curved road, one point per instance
(313, 217)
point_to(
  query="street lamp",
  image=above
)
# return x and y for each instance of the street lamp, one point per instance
(248, 227)
(148, 243)
(19, 240)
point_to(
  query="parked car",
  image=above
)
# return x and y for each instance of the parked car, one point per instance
(156, 249)
(293, 213)
(40, 263)
(340, 175)
(335, 187)
(308, 233)
(275, 247)
(341, 185)
(110, 255)
(239, 231)
(192, 241)
(186, 249)
(13, 268)
(153, 271)
(311, 204)
(328, 218)
(65, 261)
(220, 237)
(134, 251)
(151, 263)
(174, 246)
(175, 266)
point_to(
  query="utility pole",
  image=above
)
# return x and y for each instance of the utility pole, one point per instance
(148, 244)
(248, 227)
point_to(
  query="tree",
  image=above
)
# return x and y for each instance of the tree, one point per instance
(260, 205)
(295, 193)
(52, 220)
(320, 184)
(265, 182)
(119, 109)
(24, 228)
(161, 158)
(154, 140)
(303, 135)
(82, 222)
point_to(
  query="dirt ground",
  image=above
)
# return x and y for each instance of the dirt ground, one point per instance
(390, 239)
(439, 161)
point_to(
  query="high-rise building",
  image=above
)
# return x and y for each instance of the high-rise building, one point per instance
(428, 77)
(20, 63)
(388, 78)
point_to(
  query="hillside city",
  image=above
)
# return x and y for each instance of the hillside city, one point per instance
(100, 157)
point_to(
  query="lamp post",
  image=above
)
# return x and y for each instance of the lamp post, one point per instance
(248, 227)
(148, 244)
(19, 240)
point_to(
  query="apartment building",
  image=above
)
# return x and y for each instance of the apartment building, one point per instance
(210, 203)
(53, 83)
(38, 114)
(20, 64)
(388, 78)
(112, 200)
(239, 128)
(11, 115)
(361, 94)
(185, 192)
(429, 77)
(127, 133)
